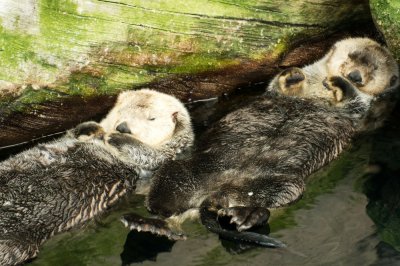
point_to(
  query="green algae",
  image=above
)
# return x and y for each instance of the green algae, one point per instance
(14, 49)
(386, 14)
(136, 42)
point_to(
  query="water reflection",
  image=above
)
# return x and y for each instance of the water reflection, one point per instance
(141, 246)
(382, 189)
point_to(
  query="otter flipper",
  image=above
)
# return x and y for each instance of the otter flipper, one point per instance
(152, 225)
(209, 219)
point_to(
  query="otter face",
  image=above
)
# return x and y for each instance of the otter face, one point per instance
(359, 69)
(369, 66)
(147, 115)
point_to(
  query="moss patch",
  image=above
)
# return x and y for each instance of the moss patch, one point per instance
(386, 14)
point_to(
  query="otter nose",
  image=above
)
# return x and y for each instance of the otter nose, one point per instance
(355, 76)
(123, 128)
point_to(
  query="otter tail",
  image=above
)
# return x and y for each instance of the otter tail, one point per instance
(210, 220)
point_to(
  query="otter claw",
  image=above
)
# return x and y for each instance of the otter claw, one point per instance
(209, 219)
(325, 84)
(154, 226)
(245, 217)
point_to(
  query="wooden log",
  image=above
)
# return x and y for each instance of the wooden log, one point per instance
(75, 52)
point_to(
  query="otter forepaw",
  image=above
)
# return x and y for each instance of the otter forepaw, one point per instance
(342, 88)
(90, 128)
(245, 217)
(291, 81)
(152, 225)
(333, 84)
(119, 140)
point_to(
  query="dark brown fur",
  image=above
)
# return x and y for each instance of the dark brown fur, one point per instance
(257, 156)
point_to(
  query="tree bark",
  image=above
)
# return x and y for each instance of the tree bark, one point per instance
(63, 61)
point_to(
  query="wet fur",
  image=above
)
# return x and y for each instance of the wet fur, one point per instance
(373, 97)
(259, 156)
(55, 186)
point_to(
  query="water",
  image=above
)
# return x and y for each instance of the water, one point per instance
(349, 215)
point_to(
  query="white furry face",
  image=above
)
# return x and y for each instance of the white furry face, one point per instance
(368, 65)
(147, 115)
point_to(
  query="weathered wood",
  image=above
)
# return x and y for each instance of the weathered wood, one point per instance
(52, 50)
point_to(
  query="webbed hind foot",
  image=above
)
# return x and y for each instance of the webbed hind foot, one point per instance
(209, 218)
(152, 225)
(245, 217)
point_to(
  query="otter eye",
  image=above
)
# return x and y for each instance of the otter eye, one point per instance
(354, 55)
(152, 119)
(393, 80)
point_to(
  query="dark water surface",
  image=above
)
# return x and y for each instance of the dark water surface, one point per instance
(349, 215)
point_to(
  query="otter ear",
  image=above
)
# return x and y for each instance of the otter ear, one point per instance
(175, 117)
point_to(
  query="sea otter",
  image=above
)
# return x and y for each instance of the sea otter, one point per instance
(57, 185)
(259, 156)
(368, 66)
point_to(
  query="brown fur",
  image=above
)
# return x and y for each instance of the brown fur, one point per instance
(260, 155)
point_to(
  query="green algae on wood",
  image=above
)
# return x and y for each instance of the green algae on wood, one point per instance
(386, 14)
(93, 48)
(70, 34)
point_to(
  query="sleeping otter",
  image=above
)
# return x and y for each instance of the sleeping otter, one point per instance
(368, 66)
(259, 156)
(57, 185)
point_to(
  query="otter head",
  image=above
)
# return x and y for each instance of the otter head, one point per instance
(366, 64)
(147, 115)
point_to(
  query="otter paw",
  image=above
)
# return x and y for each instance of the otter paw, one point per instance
(152, 225)
(341, 88)
(245, 217)
(119, 140)
(333, 84)
(88, 129)
(291, 81)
